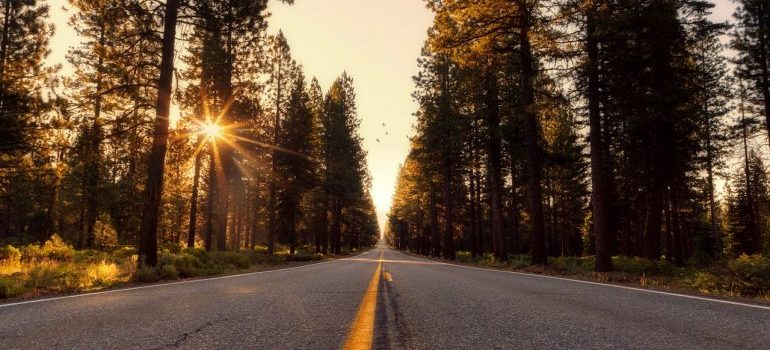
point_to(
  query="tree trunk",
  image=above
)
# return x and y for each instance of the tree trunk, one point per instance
(751, 224)
(194, 202)
(475, 247)
(537, 238)
(148, 235)
(208, 234)
(434, 230)
(653, 223)
(676, 229)
(599, 173)
(714, 239)
(494, 167)
(515, 215)
(325, 228)
(4, 52)
(336, 234)
(449, 249)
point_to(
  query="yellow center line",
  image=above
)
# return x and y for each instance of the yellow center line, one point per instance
(361, 332)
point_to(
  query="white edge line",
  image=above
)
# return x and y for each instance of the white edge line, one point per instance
(595, 283)
(159, 285)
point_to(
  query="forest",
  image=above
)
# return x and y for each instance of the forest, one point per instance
(602, 129)
(258, 156)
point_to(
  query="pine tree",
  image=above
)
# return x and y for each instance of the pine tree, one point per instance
(295, 162)
(345, 180)
(751, 40)
(282, 72)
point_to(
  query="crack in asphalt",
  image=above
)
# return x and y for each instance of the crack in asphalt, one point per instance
(402, 335)
(184, 336)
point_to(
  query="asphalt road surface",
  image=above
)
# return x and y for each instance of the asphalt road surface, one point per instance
(414, 304)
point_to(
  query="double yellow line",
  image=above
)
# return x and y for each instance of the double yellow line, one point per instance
(361, 333)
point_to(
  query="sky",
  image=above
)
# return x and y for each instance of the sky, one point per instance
(376, 42)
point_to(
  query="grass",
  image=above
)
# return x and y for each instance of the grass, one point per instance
(745, 276)
(56, 267)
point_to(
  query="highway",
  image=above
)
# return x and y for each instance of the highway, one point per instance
(382, 299)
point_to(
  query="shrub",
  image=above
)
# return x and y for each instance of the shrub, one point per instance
(305, 257)
(56, 249)
(632, 264)
(124, 252)
(519, 261)
(230, 258)
(171, 247)
(463, 256)
(168, 272)
(146, 274)
(261, 257)
(10, 287)
(189, 265)
(704, 282)
(102, 274)
(58, 277)
(10, 254)
(104, 233)
(89, 256)
(10, 260)
(574, 264)
(752, 274)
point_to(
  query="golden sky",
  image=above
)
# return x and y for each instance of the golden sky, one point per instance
(376, 41)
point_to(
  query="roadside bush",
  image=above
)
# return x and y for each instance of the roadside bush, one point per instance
(56, 249)
(752, 274)
(668, 268)
(57, 277)
(10, 260)
(704, 282)
(260, 256)
(302, 257)
(486, 259)
(146, 274)
(53, 249)
(230, 258)
(189, 265)
(463, 256)
(102, 274)
(123, 252)
(168, 272)
(89, 256)
(10, 255)
(624, 263)
(574, 264)
(10, 287)
(519, 261)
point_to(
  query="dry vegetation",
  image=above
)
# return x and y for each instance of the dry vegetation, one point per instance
(746, 276)
(56, 267)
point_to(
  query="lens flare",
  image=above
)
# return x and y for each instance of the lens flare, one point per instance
(211, 130)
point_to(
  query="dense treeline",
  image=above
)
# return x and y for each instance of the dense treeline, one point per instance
(258, 155)
(567, 128)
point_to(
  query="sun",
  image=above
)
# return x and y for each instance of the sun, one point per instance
(211, 130)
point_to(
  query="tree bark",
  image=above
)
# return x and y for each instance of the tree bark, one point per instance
(598, 169)
(494, 167)
(148, 233)
(537, 238)
(434, 230)
(194, 202)
(208, 228)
